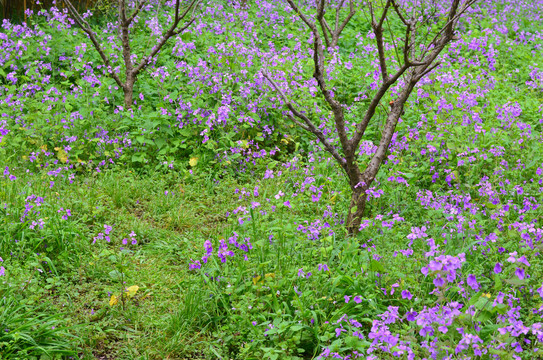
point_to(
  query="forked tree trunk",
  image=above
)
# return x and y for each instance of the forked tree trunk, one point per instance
(418, 59)
(132, 70)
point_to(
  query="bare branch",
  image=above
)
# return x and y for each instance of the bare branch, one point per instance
(324, 25)
(170, 32)
(338, 10)
(427, 71)
(378, 31)
(326, 30)
(407, 45)
(125, 42)
(362, 125)
(399, 13)
(184, 27)
(86, 28)
(327, 26)
(136, 11)
(454, 16)
(308, 126)
(392, 120)
(337, 109)
(122, 12)
(304, 18)
(339, 28)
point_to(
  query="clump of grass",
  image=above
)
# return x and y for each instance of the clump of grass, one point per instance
(32, 333)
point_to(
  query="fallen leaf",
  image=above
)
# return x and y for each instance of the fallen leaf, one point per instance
(132, 290)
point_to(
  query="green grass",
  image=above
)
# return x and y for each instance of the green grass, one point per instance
(169, 315)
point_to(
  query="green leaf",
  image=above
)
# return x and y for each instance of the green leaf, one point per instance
(483, 303)
(160, 142)
(515, 281)
(115, 274)
(487, 331)
(497, 283)
(377, 266)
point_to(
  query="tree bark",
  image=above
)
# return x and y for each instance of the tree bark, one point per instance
(128, 95)
(356, 210)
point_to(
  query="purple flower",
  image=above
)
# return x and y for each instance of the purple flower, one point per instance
(411, 315)
(347, 299)
(254, 204)
(438, 281)
(520, 273)
(194, 265)
(316, 197)
(523, 260)
(426, 330)
(540, 291)
(498, 268)
(472, 282)
(323, 267)
(435, 266)
(406, 295)
(357, 299)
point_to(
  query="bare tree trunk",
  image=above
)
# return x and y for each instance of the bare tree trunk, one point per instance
(128, 95)
(356, 210)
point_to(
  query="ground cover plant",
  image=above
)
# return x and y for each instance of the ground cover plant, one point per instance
(202, 223)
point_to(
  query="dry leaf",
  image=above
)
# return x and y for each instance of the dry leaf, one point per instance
(132, 290)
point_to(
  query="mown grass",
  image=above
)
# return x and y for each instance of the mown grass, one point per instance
(169, 317)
